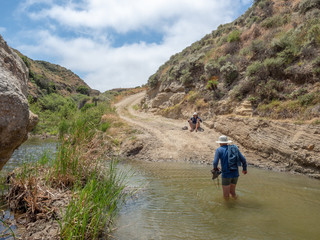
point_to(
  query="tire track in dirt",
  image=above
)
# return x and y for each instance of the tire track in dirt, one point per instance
(163, 138)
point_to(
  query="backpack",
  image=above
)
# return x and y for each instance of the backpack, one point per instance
(233, 157)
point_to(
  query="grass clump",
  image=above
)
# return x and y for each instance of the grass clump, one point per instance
(92, 189)
(93, 206)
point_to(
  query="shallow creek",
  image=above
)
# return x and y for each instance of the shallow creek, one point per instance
(180, 201)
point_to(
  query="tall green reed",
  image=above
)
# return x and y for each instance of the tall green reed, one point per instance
(93, 207)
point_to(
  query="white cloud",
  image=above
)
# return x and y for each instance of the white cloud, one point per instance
(104, 67)
(127, 15)
(180, 22)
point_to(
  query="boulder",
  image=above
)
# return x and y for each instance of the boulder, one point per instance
(15, 118)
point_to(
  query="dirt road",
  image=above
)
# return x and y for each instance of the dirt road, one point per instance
(163, 138)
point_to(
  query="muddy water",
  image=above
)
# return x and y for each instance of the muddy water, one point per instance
(180, 201)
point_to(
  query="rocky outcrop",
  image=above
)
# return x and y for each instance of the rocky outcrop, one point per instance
(15, 118)
(245, 109)
(281, 146)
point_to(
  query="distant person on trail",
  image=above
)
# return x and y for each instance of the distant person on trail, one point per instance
(231, 158)
(194, 122)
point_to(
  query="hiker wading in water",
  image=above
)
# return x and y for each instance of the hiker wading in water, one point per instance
(194, 122)
(231, 158)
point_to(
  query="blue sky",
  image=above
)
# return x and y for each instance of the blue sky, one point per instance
(111, 43)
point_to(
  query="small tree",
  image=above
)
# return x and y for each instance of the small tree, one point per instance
(212, 84)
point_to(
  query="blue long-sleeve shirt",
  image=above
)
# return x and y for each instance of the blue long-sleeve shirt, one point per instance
(222, 154)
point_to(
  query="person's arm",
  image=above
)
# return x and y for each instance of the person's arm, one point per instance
(243, 162)
(216, 160)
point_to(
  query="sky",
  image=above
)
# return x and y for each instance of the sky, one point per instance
(111, 43)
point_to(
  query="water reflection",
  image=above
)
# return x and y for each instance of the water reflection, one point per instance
(31, 150)
(180, 201)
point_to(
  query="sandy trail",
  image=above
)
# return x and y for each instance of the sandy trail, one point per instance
(164, 139)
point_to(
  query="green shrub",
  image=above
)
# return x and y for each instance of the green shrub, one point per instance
(153, 80)
(252, 19)
(298, 92)
(316, 71)
(287, 46)
(258, 47)
(316, 62)
(87, 106)
(52, 102)
(244, 51)
(288, 55)
(307, 99)
(307, 5)
(186, 78)
(56, 113)
(51, 88)
(275, 21)
(241, 90)
(256, 68)
(314, 34)
(234, 36)
(229, 72)
(222, 40)
(83, 90)
(274, 66)
(278, 45)
(266, 7)
(270, 90)
(31, 99)
(26, 61)
(69, 89)
(300, 72)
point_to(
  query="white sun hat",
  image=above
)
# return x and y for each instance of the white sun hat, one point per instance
(195, 113)
(223, 139)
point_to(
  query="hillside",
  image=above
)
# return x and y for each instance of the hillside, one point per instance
(57, 96)
(46, 78)
(266, 63)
